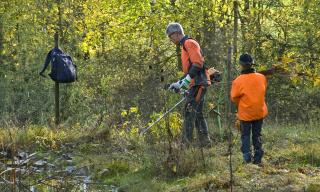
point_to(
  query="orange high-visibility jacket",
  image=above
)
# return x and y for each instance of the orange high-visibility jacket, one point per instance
(248, 92)
(193, 54)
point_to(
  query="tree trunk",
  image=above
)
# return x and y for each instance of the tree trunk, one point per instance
(1, 40)
(209, 42)
(235, 29)
(258, 42)
(244, 26)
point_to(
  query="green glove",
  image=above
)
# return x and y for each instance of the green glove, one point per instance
(185, 82)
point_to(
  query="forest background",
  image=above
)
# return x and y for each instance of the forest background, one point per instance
(124, 60)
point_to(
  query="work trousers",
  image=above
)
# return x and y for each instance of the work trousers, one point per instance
(246, 128)
(193, 116)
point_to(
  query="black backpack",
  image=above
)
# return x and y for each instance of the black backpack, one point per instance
(63, 70)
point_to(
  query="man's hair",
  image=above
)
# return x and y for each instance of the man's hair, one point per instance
(174, 27)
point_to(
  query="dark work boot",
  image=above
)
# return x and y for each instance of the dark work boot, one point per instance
(247, 158)
(257, 157)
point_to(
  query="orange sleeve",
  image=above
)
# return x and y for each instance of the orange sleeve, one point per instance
(194, 52)
(235, 93)
(266, 81)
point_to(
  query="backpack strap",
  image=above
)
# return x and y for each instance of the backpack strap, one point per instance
(184, 48)
(49, 58)
(183, 40)
(47, 61)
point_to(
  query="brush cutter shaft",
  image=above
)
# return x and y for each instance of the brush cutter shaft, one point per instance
(162, 116)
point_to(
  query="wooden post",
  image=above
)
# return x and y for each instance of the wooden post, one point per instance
(56, 88)
(228, 87)
(229, 115)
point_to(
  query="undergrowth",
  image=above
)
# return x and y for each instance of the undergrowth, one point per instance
(158, 162)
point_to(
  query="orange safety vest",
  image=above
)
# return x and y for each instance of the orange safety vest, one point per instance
(191, 52)
(248, 92)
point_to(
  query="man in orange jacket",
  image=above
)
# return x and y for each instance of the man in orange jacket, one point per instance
(195, 80)
(248, 93)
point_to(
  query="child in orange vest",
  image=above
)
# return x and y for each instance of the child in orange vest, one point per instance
(248, 93)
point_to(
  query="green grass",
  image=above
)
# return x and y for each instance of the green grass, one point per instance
(291, 163)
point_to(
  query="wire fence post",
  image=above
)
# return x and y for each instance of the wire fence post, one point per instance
(56, 45)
